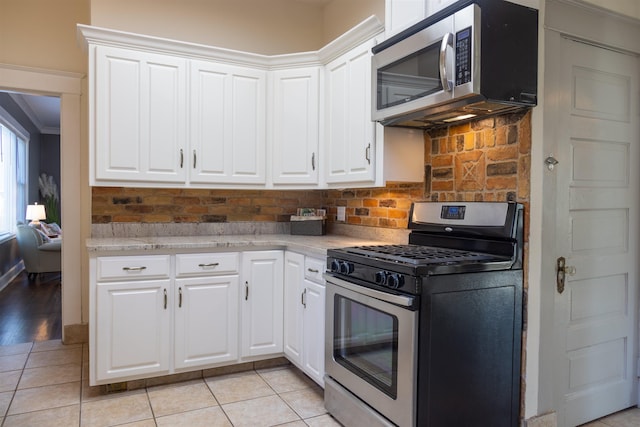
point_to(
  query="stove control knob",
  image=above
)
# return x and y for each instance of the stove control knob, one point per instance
(335, 266)
(380, 277)
(346, 267)
(395, 281)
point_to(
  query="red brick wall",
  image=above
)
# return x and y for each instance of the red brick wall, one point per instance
(486, 160)
(153, 205)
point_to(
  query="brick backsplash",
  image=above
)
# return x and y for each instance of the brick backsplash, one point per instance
(485, 160)
(157, 205)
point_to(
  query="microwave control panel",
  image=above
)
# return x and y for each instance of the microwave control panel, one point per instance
(463, 56)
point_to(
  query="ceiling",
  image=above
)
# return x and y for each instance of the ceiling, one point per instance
(43, 111)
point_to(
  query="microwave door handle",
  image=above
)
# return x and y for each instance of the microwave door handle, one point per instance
(447, 40)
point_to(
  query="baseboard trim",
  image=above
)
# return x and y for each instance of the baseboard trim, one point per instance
(7, 277)
(75, 334)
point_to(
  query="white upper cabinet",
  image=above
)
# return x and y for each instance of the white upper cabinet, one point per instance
(349, 131)
(401, 14)
(295, 124)
(139, 118)
(227, 124)
(165, 113)
(434, 6)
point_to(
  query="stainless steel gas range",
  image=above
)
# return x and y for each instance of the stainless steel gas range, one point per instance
(429, 333)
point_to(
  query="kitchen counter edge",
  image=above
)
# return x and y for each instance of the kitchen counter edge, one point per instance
(307, 245)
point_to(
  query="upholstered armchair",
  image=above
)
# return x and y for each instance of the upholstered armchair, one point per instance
(39, 256)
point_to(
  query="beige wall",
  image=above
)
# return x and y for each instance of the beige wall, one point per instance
(340, 15)
(42, 33)
(259, 26)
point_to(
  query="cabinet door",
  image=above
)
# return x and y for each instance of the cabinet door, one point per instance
(295, 125)
(349, 130)
(262, 303)
(314, 316)
(206, 321)
(434, 6)
(228, 124)
(139, 116)
(400, 14)
(293, 308)
(132, 328)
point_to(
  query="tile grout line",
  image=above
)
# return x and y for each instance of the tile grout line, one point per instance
(15, 390)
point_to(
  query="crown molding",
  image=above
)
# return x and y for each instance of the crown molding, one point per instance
(89, 35)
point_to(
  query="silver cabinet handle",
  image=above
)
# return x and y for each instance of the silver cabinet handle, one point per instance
(181, 158)
(165, 298)
(194, 159)
(312, 270)
(180, 297)
(246, 291)
(211, 264)
(142, 267)
(313, 161)
(303, 299)
(367, 153)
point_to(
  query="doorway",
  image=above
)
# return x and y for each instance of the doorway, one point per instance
(75, 207)
(30, 304)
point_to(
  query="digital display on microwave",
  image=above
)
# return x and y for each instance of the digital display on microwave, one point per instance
(463, 56)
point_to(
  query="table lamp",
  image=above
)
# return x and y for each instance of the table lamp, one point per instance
(35, 213)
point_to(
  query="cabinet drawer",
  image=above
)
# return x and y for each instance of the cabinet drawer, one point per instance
(208, 264)
(313, 269)
(133, 267)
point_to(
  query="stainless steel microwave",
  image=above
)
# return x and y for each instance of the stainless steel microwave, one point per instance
(472, 59)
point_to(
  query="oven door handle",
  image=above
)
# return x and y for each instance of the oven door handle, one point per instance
(401, 300)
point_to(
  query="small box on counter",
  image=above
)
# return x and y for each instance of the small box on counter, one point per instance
(308, 225)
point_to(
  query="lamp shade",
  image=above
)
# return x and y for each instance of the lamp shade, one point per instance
(36, 213)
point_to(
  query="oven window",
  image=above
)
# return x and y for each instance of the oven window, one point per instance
(366, 343)
(409, 78)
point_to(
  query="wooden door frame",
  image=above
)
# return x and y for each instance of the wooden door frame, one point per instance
(562, 18)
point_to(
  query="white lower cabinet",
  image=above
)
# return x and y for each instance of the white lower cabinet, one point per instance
(163, 313)
(206, 321)
(293, 308)
(262, 276)
(133, 324)
(304, 301)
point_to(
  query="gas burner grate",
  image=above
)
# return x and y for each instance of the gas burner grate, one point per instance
(417, 254)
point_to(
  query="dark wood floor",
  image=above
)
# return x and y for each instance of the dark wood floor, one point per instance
(31, 309)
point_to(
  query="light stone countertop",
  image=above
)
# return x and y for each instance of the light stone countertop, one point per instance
(308, 245)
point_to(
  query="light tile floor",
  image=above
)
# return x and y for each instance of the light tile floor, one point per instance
(46, 384)
(627, 418)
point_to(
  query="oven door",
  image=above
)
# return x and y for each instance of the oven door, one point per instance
(370, 347)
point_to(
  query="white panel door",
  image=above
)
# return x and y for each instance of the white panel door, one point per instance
(596, 322)
(132, 328)
(349, 131)
(206, 321)
(295, 125)
(293, 308)
(139, 116)
(262, 303)
(228, 124)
